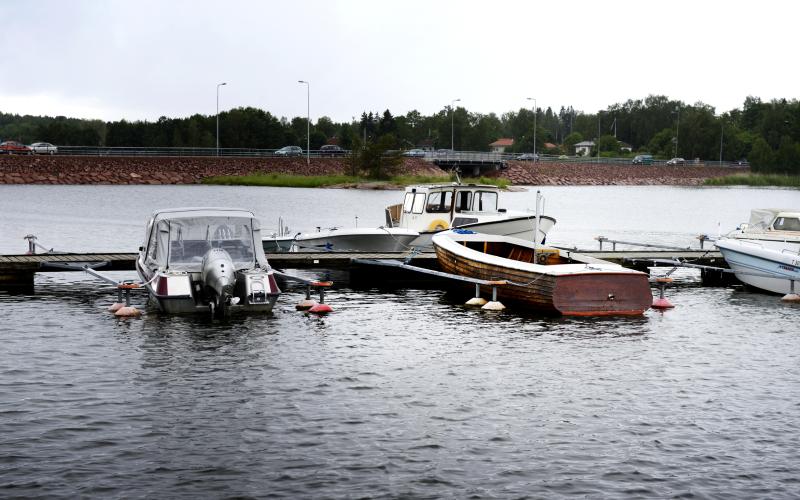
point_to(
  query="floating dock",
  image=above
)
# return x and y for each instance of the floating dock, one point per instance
(19, 270)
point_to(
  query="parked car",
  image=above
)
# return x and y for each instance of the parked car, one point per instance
(676, 161)
(415, 153)
(44, 148)
(528, 157)
(642, 160)
(289, 151)
(332, 150)
(14, 147)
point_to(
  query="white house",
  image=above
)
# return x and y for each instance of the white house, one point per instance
(500, 145)
(584, 148)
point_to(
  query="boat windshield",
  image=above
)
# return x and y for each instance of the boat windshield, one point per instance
(182, 243)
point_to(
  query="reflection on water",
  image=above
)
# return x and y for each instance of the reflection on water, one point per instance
(399, 393)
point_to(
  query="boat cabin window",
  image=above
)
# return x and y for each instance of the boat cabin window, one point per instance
(787, 224)
(485, 201)
(414, 203)
(463, 200)
(439, 202)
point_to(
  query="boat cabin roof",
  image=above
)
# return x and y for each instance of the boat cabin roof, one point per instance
(451, 185)
(193, 212)
(762, 218)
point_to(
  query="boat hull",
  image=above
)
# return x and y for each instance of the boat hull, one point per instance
(186, 299)
(517, 227)
(761, 266)
(575, 290)
(377, 240)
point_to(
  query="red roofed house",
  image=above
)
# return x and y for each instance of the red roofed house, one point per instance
(500, 145)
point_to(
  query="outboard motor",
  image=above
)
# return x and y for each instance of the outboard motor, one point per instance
(219, 277)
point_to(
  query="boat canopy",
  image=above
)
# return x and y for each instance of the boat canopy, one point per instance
(761, 219)
(179, 238)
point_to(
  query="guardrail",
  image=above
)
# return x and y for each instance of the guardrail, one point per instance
(445, 156)
(171, 151)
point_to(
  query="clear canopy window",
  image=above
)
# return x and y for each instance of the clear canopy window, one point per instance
(180, 244)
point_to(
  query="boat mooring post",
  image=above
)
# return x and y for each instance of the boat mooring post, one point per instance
(494, 305)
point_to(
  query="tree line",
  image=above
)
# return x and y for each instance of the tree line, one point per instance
(767, 134)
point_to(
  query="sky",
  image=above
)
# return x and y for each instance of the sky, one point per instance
(139, 60)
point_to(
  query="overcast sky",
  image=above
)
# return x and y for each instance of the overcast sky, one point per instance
(143, 59)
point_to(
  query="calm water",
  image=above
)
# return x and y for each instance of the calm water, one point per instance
(399, 393)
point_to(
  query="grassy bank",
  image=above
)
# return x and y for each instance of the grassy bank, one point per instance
(771, 180)
(311, 181)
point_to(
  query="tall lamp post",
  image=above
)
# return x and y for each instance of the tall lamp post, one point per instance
(452, 124)
(535, 112)
(721, 136)
(218, 86)
(308, 120)
(677, 128)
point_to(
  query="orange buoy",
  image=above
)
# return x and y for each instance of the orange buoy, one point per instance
(305, 304)
(321, 309)
(127, 312)
(661, 302)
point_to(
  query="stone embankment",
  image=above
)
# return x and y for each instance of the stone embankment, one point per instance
(570, 174)
(192, 170)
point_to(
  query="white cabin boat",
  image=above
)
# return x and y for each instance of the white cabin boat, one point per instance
(432, 208)
(206, 259)
(765, 252)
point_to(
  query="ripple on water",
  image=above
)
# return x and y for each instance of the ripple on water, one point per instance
(399, 394)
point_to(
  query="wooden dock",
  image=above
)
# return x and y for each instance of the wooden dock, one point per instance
(19, 270)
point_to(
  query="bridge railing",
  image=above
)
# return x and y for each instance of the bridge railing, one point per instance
(445, 156)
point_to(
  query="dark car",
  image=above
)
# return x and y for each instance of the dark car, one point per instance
(642, 160)
(332, 150)
(289, 151)
(527, 157)
(14, 147)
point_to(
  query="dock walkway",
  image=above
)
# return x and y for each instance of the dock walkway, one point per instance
(19, 270)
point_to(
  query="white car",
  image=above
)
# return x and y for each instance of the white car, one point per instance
(676, 161)
(43, 148)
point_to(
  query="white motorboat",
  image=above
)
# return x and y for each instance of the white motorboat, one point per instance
(432, 208)
(206, 259)
(426, 210)
(380, 239)
(765, 252)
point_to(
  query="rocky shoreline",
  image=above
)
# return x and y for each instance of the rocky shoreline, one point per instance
(78, 170)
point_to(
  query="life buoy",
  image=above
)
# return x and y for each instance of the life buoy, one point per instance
(438, 225)
(542, 258)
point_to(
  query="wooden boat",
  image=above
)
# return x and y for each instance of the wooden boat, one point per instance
(545, 279)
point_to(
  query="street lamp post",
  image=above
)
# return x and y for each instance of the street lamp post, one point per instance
(721, 136)
(218, 86)
(677, 128)
(308, 120)
(535, 112)
(452, 124)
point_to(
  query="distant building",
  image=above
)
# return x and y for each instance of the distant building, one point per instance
(550, 145)
(500, 145)
(624, 146)
(584, 148)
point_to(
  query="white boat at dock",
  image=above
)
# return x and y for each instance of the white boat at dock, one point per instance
(426, 210)
(765, 252)
(206, 259)
(432, 208)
